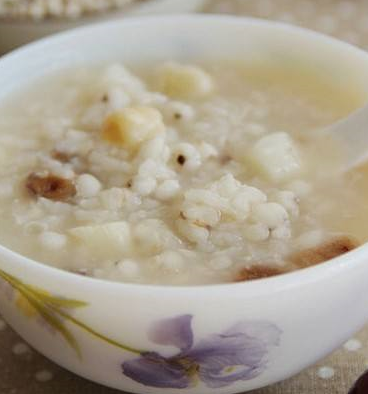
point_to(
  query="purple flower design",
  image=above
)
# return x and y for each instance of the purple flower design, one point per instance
(239, 353)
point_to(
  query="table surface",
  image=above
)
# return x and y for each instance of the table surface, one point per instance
(24, 371)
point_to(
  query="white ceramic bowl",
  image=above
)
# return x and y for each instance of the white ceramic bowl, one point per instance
(150, 339)
(15, 33)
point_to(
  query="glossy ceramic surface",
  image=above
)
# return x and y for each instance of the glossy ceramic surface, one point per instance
(151, 339)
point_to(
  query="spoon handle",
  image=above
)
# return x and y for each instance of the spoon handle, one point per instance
(353, 133)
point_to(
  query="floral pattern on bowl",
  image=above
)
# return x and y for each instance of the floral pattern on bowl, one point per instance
(238, 353)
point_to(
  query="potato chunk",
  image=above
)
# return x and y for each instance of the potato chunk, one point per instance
(276, 157)
(110, 238)
(132, 126)
(183, 81)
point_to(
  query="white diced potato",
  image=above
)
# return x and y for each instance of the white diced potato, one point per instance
(276, 157)
(132, 126)
(108, 238)
(177, 80)
(151, 236)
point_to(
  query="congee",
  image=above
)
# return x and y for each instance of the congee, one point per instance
(178, 175)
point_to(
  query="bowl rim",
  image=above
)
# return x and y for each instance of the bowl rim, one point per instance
(328, 269)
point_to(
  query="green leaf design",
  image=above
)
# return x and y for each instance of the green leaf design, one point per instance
(52, 310)
(49, 315)
(62, 302)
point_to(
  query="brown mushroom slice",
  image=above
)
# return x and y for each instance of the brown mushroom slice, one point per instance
(257, 272)
(326, 251)
(60, 156)
(51, 187)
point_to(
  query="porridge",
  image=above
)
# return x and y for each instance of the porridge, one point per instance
(186, 174)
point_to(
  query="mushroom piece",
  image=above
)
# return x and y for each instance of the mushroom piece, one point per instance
(257, 272)
(51, 187)
(326, 251)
